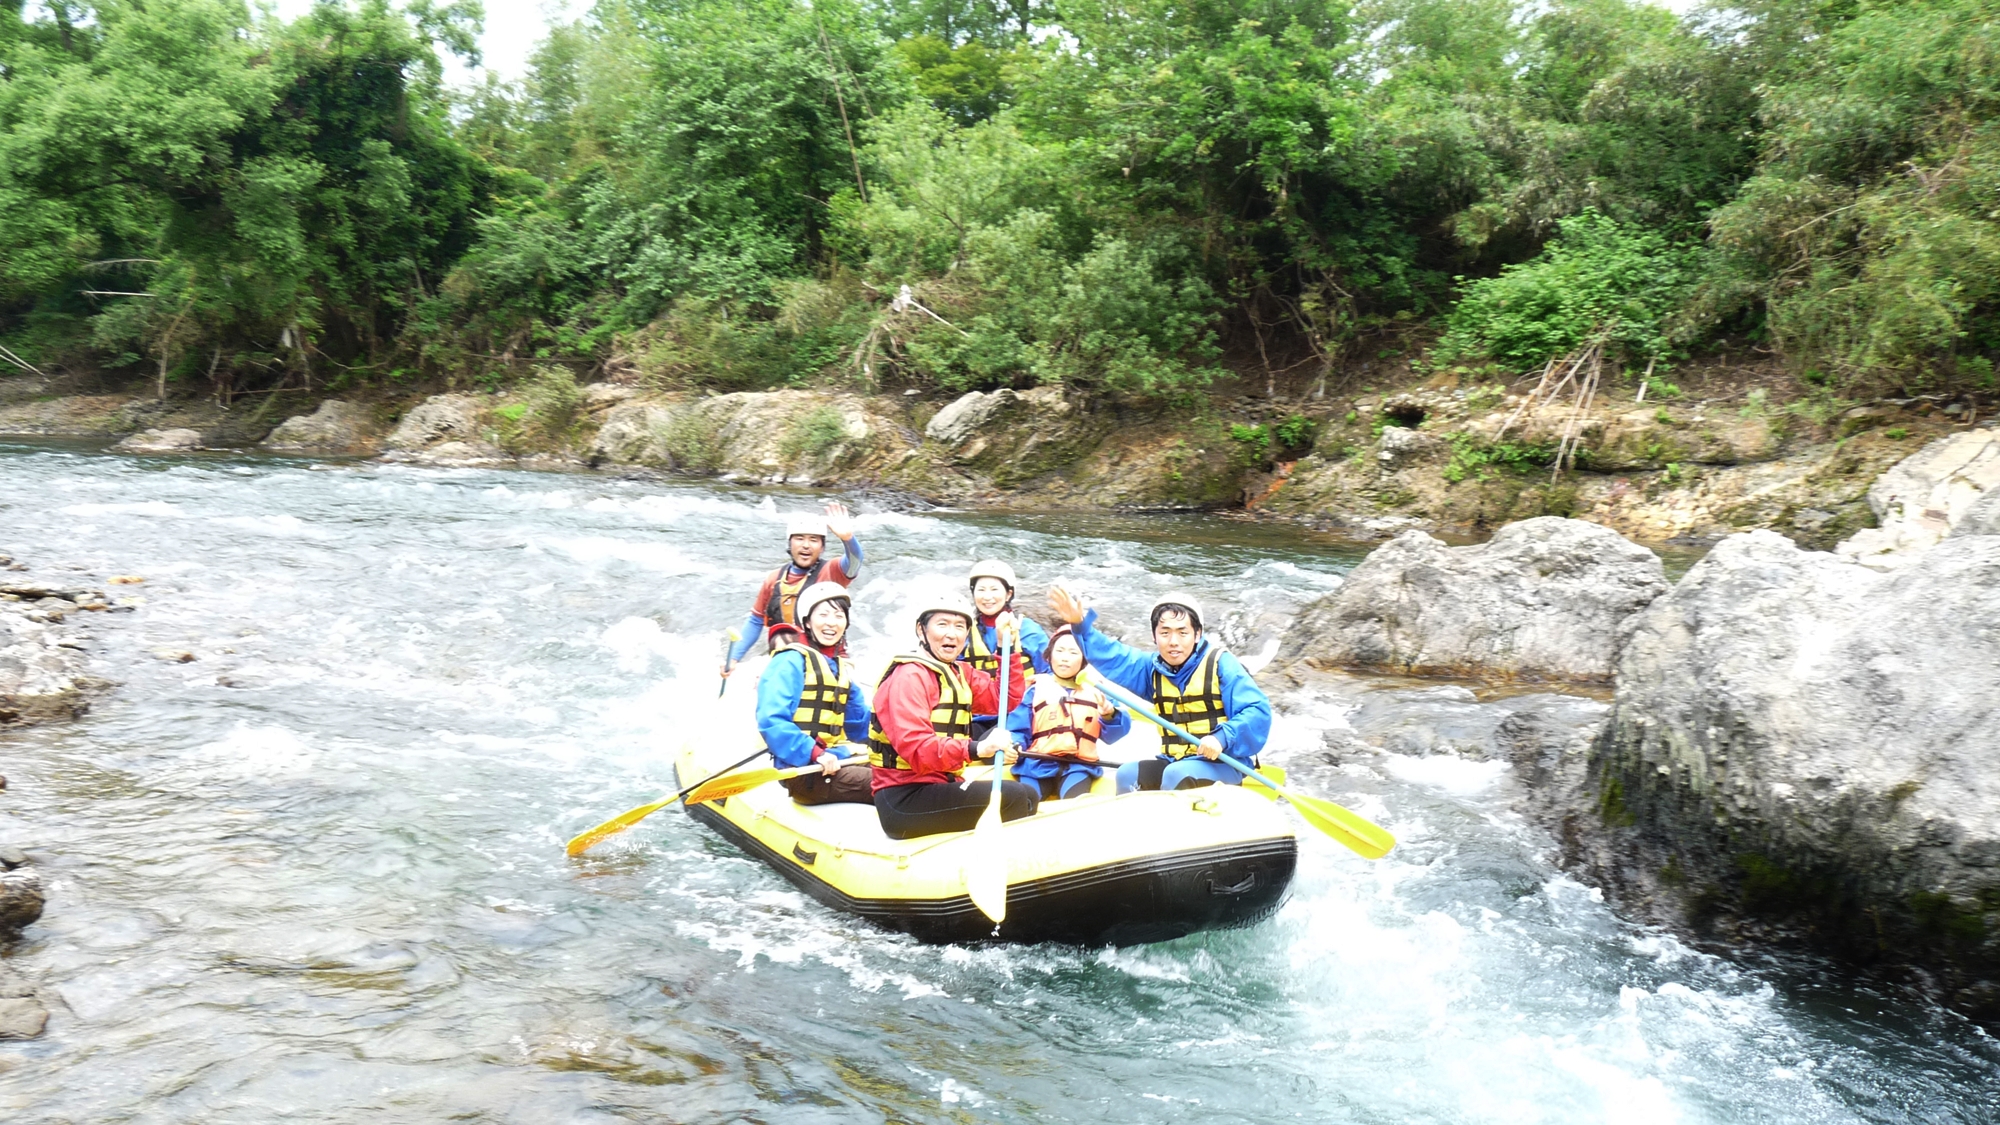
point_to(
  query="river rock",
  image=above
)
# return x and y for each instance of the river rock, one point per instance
(1920, 499)
(1544, 599)
(43, 672)
(22, 1014)
(438, 419)
(336, 427)
(1803, 748)
(20, 899)
(800, 437)
(160, 441)
(966, 415)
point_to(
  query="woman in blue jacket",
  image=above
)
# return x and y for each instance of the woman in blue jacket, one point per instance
(1061, 722)
(1191, 683)
(807, 710)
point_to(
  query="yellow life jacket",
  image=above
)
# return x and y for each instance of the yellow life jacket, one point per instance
(822, 709)
(1198, 710)
(1065, 722)
(976, 652)
(951, 716)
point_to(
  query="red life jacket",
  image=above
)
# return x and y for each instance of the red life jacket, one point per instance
(1065, 722)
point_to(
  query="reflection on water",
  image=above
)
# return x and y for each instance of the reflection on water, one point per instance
(316, 873)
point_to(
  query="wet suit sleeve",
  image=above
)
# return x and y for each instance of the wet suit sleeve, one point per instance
(1117, 726)
(850, 563)
(903, 706)
(1120, 663)
(1248, 727)
(753, 625)
(778, 693)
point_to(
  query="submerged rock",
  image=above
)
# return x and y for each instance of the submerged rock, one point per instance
(1922, 498)
(1806, 749)
(43, 672)
(336, 427)
(20, 899)
(160, 441)
(22, 1014)
(1544, 599)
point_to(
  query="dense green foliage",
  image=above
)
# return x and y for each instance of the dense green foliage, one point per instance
(1132, 196)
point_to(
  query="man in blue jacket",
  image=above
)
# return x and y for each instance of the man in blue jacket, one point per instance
(807, 710)
(1191, 682)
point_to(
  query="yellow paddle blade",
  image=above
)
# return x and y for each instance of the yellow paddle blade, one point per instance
(986, 867)
(583, 842)
(1368, 839)
(729, 785)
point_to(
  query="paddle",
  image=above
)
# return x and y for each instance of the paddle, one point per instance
(986, 867)
(1366, 838)
(585, 841)
(727, 663)
(716, 788)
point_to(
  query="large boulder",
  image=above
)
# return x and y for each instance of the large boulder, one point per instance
(1921, 498)
(438, 419)
(1805, 747)
(336, 427)
(1544, 599)
(160, 441)
(800, 437)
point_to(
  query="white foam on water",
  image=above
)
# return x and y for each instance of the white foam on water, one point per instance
(663, 558)
(259, 752)
(277, 524)
(126, 508)
(1448, 772)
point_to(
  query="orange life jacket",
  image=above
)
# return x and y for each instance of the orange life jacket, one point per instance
(783, 605)
(1065, 722)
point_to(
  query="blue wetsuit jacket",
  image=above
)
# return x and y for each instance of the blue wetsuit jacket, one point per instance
(1248, 725)
(779, 690)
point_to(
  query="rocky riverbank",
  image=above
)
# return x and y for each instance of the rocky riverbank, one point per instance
(1801, 747)
(1454, 459)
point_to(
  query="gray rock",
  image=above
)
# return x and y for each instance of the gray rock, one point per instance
(440, 418)
(967, 415)
(1923, 497)
(1545, 599)
(11, 856)
(1400, 445)
(20, 899)
(22, 1014)
(1805, 748)
(336, 427)
(160, 441)
(1982, 518)
(43, 674)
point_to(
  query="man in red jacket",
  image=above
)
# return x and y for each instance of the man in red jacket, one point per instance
(919, 738)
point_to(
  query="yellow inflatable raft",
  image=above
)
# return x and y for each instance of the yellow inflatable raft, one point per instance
(1094, 870)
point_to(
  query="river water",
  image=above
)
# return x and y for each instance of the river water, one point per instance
(316, 872)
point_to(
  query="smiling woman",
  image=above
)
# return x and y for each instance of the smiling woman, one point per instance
(316, 872)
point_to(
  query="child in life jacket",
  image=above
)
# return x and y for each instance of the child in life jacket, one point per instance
(1060, 723)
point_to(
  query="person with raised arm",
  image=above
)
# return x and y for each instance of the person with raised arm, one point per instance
(1191, 682)
(805, 564)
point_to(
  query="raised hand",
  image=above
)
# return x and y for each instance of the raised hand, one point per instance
(839, 520)
(1064, 603)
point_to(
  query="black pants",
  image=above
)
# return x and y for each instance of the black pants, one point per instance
(927, 808)
(849, 783)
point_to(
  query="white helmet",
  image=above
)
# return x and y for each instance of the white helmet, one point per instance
(1177, 600)
(991, 568)
(812, 597)
(805, 523)
(945, 600)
